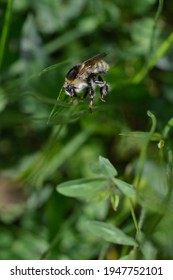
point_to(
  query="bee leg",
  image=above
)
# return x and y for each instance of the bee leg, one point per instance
(100, 81)
(91, 94)
(103, 92)
(73, 94)
(71, 98)
(103, 88)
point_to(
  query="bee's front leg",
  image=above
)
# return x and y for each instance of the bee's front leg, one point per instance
(72, 94)
(71, 98)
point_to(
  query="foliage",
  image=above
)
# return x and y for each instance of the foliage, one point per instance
(76, 185)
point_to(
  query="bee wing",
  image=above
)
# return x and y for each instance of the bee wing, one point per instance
(87, 64)
(94, 59)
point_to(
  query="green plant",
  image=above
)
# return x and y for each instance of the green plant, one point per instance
(41, 147)
(104, 186)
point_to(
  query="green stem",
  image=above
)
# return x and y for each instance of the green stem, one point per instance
(153, 33)
(167, 128)
(142, 218)
(169, 175)
(134, 216)
(54, 107)
(157, 55)
(5, 30)
(143, 153)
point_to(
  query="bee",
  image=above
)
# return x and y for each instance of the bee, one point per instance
(87, 76)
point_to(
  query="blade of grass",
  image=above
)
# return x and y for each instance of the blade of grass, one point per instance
(157, 55)
(5, 29)
(39, 169)
(15, 83)
(54, 107)
(153, 33)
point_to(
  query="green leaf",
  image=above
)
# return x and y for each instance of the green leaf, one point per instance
(110, 233)
(170, 122)
(82, 188)
(143, 135)
(107, 168)
(125, 188)
(130, 256)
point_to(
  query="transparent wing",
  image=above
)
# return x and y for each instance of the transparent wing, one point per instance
(94, 59)
(87, 64)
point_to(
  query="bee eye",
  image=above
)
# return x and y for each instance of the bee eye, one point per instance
(69, 89)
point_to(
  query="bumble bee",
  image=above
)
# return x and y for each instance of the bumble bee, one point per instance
(87, 76)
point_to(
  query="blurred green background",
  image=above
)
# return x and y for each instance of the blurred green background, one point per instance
(40, 41)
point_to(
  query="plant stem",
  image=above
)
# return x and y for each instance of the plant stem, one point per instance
(153, 33)
(143, 153)
(169, 175)
(5, 30)
(134, 216)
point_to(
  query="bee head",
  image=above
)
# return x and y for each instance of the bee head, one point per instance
(69, 89)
